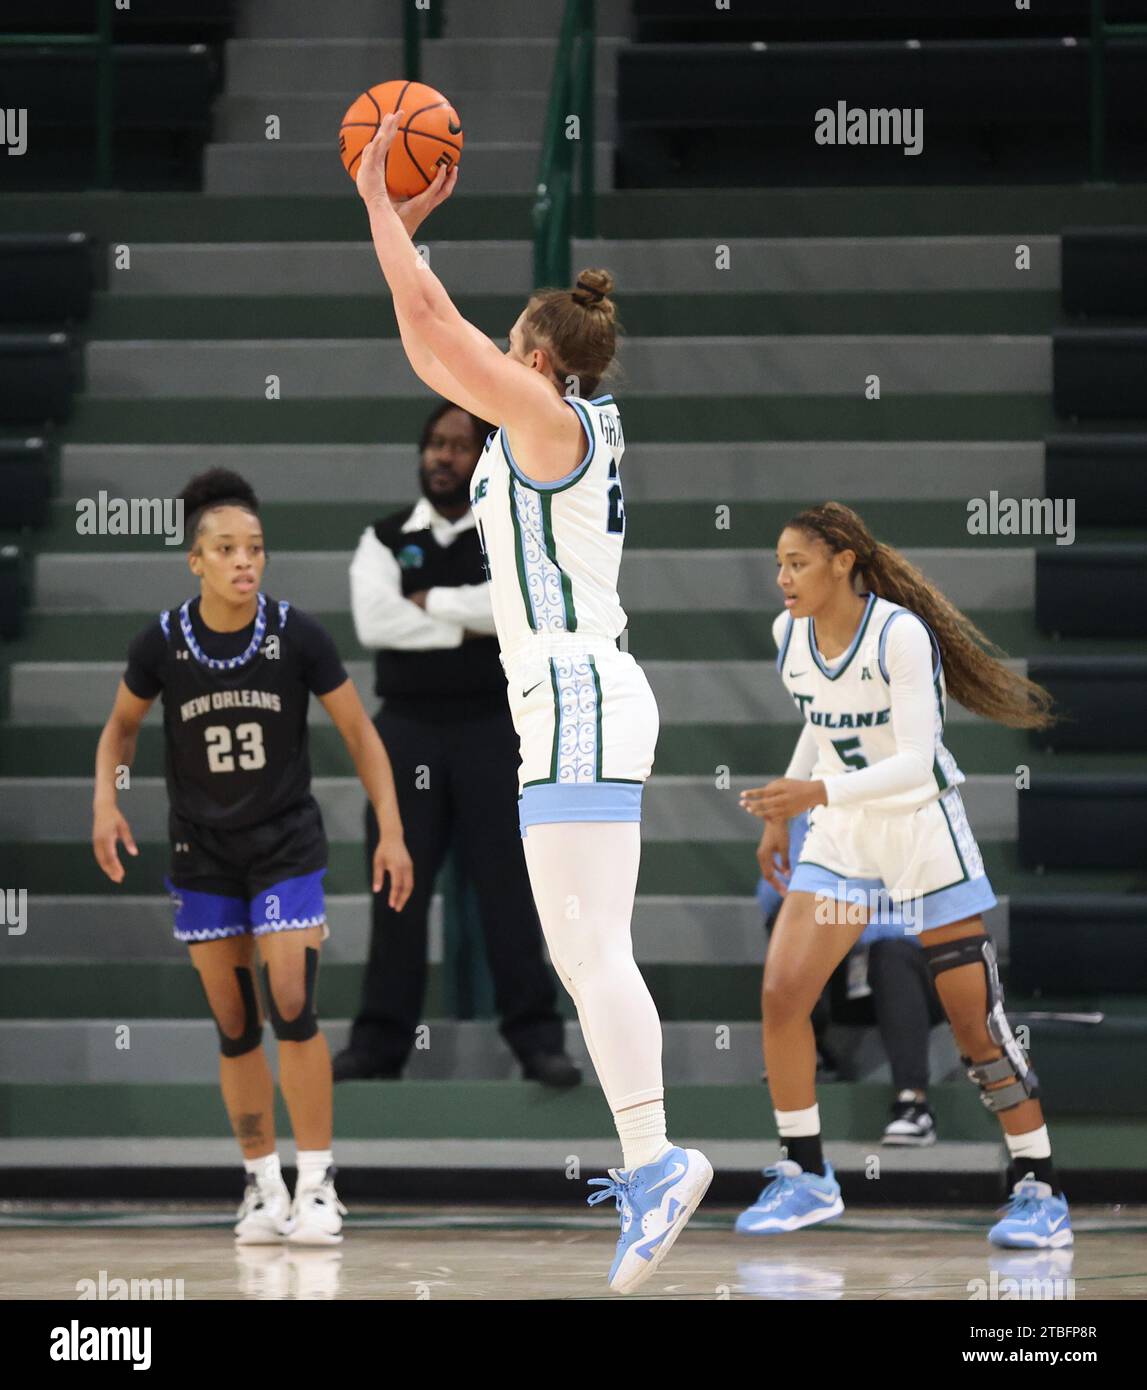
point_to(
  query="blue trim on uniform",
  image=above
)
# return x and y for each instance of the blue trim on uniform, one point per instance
(952, 904)
(769, 900)
(815, 878)
(785, 643)
(601, 400)
(293, 904)
(165, 622)
(290, 905)
(885, 924)
(214, 663)
(841, 662)
(962, 900)
(574, 473)
(899, 613)
(284, 605)
(548, 802)
(206, 916)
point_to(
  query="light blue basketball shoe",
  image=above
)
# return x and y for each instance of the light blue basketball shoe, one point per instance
(791, 1200)
(654, 1203)
(1035, 1219)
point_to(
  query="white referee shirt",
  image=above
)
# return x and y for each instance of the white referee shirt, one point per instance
(384, 618)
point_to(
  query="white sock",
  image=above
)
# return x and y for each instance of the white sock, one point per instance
(312, 1165)
(641, 1130)
(1036, 1143)
(266, 1169)
(797, 1124)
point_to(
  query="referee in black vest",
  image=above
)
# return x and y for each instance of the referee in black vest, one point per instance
(421, 601)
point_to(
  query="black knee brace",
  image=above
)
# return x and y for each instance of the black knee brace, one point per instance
(1014, 1065)
(252, 1034)
(306, 1025)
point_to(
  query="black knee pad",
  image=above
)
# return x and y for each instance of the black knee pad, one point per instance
(1014, 1065)
(306, 1025)
(252, 1034)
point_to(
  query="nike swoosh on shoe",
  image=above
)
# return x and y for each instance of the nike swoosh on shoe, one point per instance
(678, 1169)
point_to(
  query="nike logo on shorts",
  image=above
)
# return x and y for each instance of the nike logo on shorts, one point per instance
(531, 689)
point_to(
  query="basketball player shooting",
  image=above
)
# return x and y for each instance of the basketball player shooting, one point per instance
(549, 508)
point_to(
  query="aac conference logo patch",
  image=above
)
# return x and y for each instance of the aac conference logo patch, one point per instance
(410, 557)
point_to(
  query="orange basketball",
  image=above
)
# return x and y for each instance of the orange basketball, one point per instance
(430, 134)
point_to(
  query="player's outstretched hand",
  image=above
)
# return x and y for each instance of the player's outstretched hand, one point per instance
(783, 799)
(391, 858)
(371, 178)
(108, 827)
(412, 212)
(773, 855)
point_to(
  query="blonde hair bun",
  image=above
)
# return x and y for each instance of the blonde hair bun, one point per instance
(593, 288)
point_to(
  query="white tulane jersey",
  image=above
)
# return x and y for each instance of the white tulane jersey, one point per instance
(553, 550)
(847, 706)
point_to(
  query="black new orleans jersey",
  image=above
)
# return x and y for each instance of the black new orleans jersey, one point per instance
(235, 708)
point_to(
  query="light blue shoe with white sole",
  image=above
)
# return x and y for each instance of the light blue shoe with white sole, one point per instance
(1036, 1219)
(654, 1203)
(792, 1200)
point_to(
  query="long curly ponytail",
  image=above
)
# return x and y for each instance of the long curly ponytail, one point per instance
(973, 667)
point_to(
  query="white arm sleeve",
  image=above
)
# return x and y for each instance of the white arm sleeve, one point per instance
(804, 757)
(467, 605)
(382, 617)
(908, 658)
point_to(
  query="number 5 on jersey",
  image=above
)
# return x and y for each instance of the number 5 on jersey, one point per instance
(848, 751)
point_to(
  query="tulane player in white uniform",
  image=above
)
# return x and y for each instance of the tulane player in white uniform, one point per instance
(867, 649)
(548, 502)
(583, 709)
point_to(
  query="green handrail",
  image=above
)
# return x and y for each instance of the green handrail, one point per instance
(571, 94)
(415, 19)
(1101, 31)
(101, 41)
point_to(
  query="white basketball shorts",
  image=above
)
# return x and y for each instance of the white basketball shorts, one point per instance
(912, 869)
(587, 727)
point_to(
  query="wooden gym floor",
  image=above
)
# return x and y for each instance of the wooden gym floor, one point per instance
(49, 1250)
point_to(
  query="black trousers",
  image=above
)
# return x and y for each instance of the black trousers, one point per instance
(907, 1007)
(457, 784)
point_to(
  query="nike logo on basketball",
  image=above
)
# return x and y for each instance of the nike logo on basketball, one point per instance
(531, 689)
(678, 1169)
